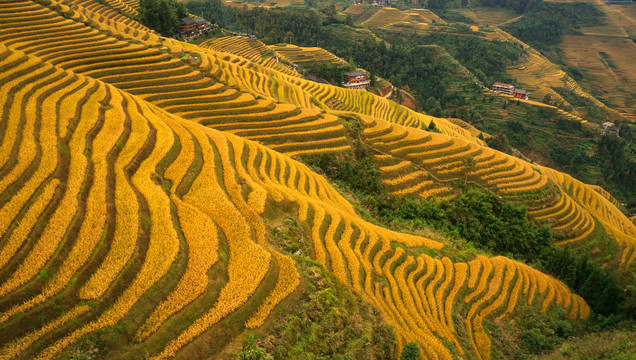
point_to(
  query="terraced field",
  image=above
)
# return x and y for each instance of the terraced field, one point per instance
(538, 73)
(167, 82)
(608, 61)
(333, 98)
(390, 16)
(422, 164)
(197, 95)
(250, 49)
(135, 197)
(307, 55)
(135, 189)
(444, 157)
(601, 207)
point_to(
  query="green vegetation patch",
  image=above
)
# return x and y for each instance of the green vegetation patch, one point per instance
(543, 27)
(162, 15)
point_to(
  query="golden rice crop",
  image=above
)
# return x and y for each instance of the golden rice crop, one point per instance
(236, 182)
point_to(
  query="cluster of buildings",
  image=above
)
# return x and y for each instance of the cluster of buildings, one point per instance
(501, 88)
(191, 27)
(356, 79)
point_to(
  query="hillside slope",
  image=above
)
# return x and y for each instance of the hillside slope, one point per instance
(134, 189)
(126, 187)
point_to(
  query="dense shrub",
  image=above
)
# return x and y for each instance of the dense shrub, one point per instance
(162, 15)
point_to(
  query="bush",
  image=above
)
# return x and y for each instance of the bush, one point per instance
(535, 342)
(410, 351)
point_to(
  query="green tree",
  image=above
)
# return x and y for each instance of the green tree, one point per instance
(547, 99)
(162, 15)
(351, 64)
(289, 38)
(433, 107)
(499, 142)
(469, 166)
(251, 351)
(349, 20)
(410, 351)
(629, 306)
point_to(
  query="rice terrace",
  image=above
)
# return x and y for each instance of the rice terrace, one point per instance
(197, 179)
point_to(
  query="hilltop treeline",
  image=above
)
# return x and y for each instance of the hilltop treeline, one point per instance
(517, 5)
(270, 25)
(544, 26)
(162, 15)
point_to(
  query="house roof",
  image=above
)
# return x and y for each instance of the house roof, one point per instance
(186, 21)
(199, 20)
(521, 91)
(356, 73)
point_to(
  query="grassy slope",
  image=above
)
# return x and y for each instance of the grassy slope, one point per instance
(609, 345)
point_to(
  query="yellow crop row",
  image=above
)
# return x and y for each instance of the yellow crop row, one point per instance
(163, 239)
(127, 221)
(288, 280)
(94, 222)
(58, 223)
(499, 301)
(12, 350)
(48, 161)
(406, 178)
(248, 262)
(338, 266)
(449, 272)
(483, 277)
(29, 220)
(27, 149)
(474, 271)
(509, 188)
(249, 49)
(459, 281)
(203, 245)
(407, 297)
(612, 219)
(419, 189)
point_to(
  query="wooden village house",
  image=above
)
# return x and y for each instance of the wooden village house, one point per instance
(356, 79)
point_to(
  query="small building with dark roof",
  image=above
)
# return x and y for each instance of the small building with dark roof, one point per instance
(356, 79)
(201, 24)
(190, 27)
(187, 27)
(521, 94)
